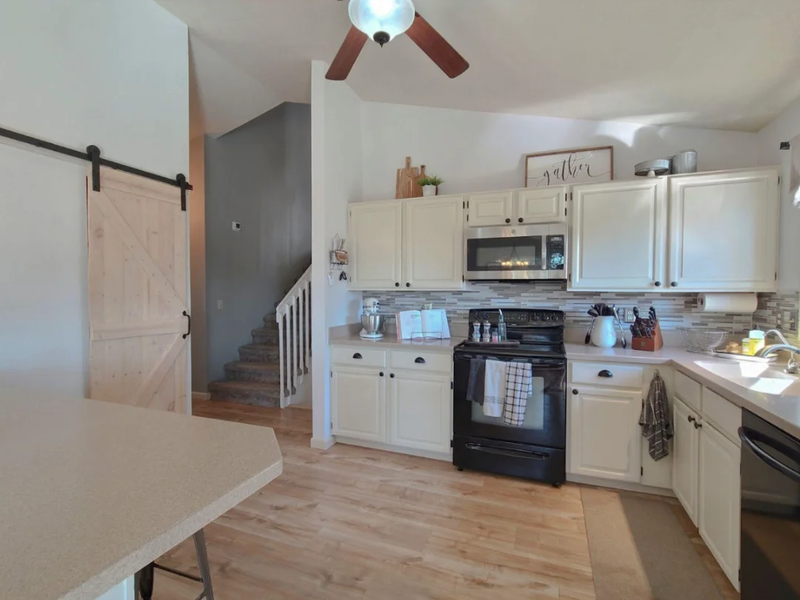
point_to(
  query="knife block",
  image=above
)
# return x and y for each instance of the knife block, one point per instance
(649, 344)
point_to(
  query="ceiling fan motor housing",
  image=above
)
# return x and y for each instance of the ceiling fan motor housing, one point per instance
(381, 37)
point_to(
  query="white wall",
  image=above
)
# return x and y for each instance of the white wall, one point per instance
(108, 72)
(474, 151)
(783, 129)
(336, 180)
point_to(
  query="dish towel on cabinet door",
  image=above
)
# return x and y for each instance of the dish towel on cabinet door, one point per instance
(494, 394)
(655, 419)
(519, 386)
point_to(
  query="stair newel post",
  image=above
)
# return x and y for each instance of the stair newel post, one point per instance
(279, 319)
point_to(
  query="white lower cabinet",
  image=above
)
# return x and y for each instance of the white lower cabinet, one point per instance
(406, 405)
(358, 403)
(420, 411)
(605, 438)
(685, 457)
(718, 502)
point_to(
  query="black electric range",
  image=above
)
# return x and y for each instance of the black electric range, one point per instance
(537, 449)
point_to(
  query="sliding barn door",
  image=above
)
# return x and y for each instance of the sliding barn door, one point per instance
(137, 292)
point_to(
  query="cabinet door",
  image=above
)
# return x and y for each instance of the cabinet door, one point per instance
(685, 446)
(724, 231)
(495, 208)
(419, 408)
(358, 398)
(619, 236)
(540, 205)
(375, 238)
(719, 499)
(605, 437)
(433, 244)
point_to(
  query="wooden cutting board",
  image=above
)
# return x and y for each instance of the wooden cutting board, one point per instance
(407, 186)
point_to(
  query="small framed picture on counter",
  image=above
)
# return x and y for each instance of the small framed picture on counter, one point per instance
(561, 167)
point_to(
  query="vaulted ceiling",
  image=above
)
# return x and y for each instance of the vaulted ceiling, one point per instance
(731, 64)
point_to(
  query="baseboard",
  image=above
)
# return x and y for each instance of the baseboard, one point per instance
(201, 396)
(396, 449)
(620, 485)
(322, 443)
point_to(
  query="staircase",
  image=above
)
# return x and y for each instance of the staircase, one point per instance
(270, 370)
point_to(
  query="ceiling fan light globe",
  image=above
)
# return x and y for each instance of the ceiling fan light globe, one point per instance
(382, 19)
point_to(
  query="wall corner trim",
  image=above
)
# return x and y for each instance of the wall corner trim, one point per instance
(322, 443)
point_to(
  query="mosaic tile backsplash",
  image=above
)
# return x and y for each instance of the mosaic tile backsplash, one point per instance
(674, 310)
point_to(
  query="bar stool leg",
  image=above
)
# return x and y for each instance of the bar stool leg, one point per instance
(144, 582)
(202, 562)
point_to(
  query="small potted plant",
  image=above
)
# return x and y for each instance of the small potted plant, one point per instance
(430, 185)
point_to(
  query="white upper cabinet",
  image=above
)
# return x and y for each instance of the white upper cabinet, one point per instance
(540, 205)
(619, 236)
(433, 244)
(494, 208)
(724, 231)
(375, 242)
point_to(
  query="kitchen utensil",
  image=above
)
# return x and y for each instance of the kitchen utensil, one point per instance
(653, 168)
(589, 333)
(685, 162)
(702, 340)
(621, 333)
(372, 325)
(407, 184)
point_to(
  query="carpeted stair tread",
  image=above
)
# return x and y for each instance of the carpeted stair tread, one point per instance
(257, 393)
(259, 352)
(253, 371)
(271, 320)
(265, 335)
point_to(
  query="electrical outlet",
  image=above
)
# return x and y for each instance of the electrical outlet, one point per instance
(628, 316)
(236, 226)
(219, 305)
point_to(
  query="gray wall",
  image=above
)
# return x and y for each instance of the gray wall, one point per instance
(260, 176)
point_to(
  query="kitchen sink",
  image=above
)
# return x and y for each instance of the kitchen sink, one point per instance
(758, 377)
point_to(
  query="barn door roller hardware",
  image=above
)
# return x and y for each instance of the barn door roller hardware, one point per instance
(92, 155)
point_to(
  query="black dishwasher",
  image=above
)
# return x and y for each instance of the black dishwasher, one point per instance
(770, 567)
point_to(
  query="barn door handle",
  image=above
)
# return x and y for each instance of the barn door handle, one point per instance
(189, 330)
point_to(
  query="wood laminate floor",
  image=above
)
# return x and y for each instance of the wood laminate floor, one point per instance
(354, 523)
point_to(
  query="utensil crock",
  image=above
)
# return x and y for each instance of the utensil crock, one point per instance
(604, 334)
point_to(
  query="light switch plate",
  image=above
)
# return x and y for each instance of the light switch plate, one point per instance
(236, 226)
(219, 304)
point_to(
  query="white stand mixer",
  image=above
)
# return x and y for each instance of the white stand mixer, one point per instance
(371, 321)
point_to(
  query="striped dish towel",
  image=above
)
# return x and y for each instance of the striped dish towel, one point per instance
(519, 386)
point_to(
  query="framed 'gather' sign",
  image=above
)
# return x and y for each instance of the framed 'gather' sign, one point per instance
(581, 165)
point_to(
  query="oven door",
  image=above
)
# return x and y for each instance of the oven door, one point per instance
(545, 415)
(516, 253)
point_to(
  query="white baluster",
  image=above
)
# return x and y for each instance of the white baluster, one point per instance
(289, 337)
(279, 319)
(296, 348)
(300, 310)
(308, 325)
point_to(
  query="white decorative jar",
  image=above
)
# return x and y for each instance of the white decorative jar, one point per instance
(429, 190)
(604, 334)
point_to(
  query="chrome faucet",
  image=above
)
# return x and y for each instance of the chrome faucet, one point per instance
(793, 366)
(778, 335)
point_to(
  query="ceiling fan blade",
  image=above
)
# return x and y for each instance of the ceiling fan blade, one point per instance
(347, 55)
(436, 47)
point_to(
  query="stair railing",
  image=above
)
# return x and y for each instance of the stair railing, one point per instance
(293, 315)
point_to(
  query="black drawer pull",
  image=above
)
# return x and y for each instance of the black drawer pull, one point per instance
(575, 392)
(381, 373)
(605, 373)
(420, 360)
(508, 220)
(357, 356)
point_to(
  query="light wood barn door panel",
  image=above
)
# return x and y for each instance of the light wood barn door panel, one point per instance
(137, 292)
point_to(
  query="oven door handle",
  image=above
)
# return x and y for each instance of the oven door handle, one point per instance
(746, 436)
(504, 452)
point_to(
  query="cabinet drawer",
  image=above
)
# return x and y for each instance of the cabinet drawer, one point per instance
(725, 415)
(354, 356)
(612, 375)
(436, 362)
(688, 390)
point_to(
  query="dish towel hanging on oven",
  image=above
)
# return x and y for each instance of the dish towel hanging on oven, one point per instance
(655, 419)
(475, 383)
(494, 388)
(519, 386)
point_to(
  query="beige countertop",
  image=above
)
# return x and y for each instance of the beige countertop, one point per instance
(92, 492)
(344, 337)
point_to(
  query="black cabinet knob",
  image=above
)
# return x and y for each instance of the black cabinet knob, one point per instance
(508, 220)
(357, 356)
(381, 373)
(674, 284)
(420, 360)
(691, 419)
(408, 285)
(396, 285)
(391, 375)
(605, 373)
(521, 220)
(574, 392)
(698, 425)
(658, 284)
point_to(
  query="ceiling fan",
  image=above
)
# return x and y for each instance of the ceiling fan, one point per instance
(383, 20)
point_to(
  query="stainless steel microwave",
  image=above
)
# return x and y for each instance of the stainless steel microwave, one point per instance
(517, 253)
